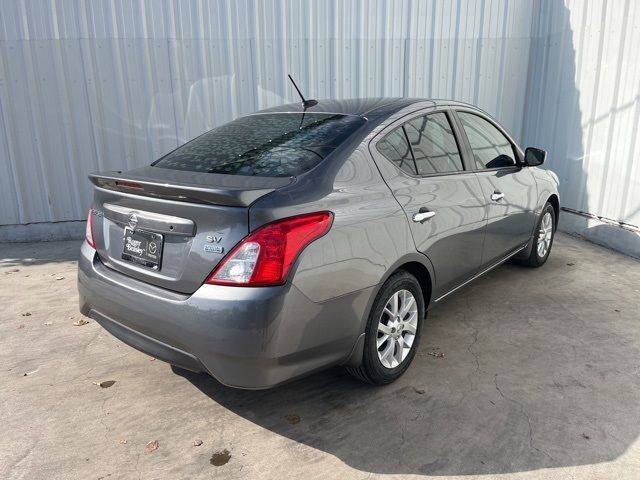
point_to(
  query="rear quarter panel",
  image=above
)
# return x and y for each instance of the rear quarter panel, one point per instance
(369, 232)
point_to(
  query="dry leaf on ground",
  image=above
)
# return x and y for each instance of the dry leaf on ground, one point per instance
(292, 418)
(105, 384)
(153, 445)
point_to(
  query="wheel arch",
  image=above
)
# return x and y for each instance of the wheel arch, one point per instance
(423, 276)
(555, 203)
(417, 265)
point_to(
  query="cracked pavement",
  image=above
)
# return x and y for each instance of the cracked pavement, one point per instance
(540, 380)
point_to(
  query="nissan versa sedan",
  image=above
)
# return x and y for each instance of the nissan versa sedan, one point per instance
(306, 236)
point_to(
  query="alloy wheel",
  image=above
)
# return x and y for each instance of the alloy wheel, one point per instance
(545, 234)
(397, 328)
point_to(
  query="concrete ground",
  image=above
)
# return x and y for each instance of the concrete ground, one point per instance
(540, 379)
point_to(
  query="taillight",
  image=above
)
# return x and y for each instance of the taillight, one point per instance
(88, 233)
(266, 255)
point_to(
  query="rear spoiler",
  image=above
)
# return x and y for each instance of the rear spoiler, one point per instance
(191, 187)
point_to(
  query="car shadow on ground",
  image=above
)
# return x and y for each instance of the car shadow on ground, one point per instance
(524, 384)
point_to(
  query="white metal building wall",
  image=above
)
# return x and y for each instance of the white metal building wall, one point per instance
(92, 86)
(88, 86)
(583, 106)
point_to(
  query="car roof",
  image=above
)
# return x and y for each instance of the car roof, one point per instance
(371, 108)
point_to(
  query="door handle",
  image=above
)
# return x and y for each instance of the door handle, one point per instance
(495, 196)
(423, 215)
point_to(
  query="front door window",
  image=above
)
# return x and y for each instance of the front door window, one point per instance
(491, 149)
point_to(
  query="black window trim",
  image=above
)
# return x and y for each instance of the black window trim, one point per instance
(400, 123)
(413, 155)
(468, 150)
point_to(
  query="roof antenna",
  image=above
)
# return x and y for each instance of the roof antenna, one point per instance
(305, 103)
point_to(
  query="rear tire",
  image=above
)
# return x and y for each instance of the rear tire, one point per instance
(393, 330)
(542, 238)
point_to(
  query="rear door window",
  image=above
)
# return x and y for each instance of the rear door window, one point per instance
(266, 145)
(434, 145)
(491, 149)
(394, 147)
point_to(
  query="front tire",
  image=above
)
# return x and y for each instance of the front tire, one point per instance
(393, 330)
(542, 238)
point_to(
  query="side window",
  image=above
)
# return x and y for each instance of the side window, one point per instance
(395, 147)
(491, 149)
(434, 144)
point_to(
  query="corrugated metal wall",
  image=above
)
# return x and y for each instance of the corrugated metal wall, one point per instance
(88, 86)
(583, 103)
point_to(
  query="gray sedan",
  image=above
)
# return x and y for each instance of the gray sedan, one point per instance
(306, 236)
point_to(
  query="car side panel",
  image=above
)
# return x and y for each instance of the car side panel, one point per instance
(454, 237)
(511, 218)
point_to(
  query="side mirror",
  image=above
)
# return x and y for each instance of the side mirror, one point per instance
(534, 157)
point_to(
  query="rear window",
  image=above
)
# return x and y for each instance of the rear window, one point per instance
(265, 145)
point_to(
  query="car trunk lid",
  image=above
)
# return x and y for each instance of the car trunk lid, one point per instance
(171, 228)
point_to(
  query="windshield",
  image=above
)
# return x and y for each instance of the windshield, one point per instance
(266, 145)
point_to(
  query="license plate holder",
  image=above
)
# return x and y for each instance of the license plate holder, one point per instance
(142, 248)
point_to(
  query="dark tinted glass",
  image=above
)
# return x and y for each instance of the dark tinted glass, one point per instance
(434, 145)
(396, 148)
(491, 149)
(266, 145)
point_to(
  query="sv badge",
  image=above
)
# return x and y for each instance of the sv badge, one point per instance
(213, 248)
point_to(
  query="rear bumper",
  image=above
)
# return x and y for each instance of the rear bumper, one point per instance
(146, 344)
(244, 337)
